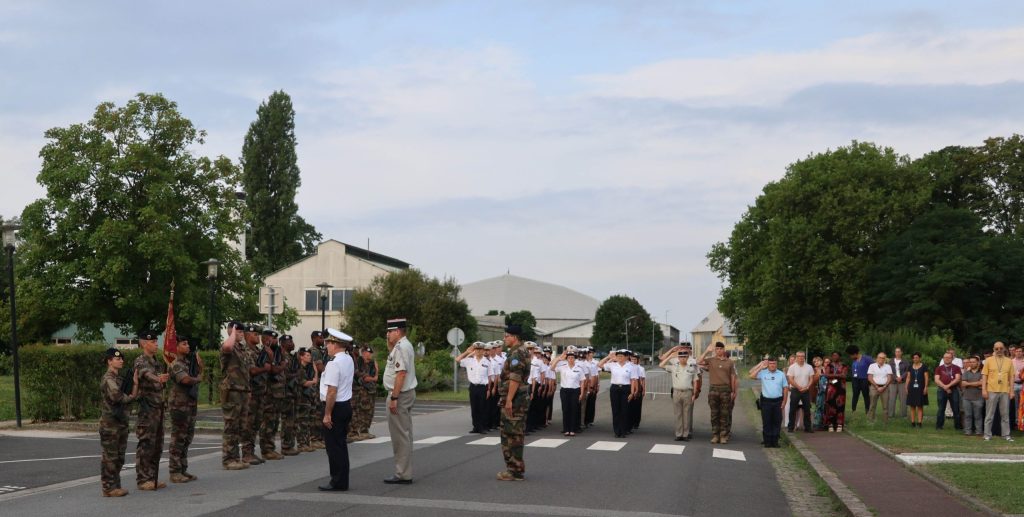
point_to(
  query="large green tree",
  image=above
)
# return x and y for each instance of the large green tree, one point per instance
(128, 209)
(432, 307)
(525, 319)
(278, 235)
(610, 324)
(796, 267)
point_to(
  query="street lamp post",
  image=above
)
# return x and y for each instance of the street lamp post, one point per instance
(212, 268)
(10, 240)
(627, 330)
(324, 291)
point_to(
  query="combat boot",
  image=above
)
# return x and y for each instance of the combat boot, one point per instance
(148, 485)
(289, 452)
(306, 448)
(179, 478)
(272, 455)
(251, 460)
(235, 465)
(115, 492)
(190, 476)
(368, 436)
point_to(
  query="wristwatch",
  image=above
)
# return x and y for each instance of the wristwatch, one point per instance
(394, 397)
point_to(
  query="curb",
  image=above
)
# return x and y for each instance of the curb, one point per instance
(853, 505)
(960, 494)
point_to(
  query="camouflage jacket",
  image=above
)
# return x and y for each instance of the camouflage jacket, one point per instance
(516, 368)
(234, 368)
(114, 403)
(276, 382)
(180, 397)
(151, 392)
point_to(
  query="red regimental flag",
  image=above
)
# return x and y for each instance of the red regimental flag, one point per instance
(170, 334)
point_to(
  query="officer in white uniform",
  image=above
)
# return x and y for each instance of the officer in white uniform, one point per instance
(478, 372)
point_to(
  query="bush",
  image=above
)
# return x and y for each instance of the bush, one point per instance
(434, 371)
(6, 364)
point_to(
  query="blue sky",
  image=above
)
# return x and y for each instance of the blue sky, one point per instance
(610, 143)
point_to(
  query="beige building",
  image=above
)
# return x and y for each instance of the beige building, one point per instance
(714, 328)
(344, 267)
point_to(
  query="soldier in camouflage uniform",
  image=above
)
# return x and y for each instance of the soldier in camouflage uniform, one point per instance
(186, 373)
(514, 393)
(306, 412)
(235, 392)
(364, 395)
(149, 427)
(114, 423)
(318, 353)
(291, 400)
(258, 384)
(274, 398)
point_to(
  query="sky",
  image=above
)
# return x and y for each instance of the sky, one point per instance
(604, 146)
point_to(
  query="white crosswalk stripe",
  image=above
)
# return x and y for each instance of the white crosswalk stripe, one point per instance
(490, 440)
(729, 455)
(436, 439)
(549, 443)
(607, 446)
(667, 449)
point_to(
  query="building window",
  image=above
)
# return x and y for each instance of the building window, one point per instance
(312, 299)
(341, 299)
(124, 342)
(61, 341)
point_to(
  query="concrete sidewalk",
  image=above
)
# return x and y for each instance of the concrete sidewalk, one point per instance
(882, 484)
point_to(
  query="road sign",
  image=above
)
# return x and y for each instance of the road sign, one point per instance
(456, 336)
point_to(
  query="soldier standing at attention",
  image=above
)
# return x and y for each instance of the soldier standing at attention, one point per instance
(722, 394)
(259, 367)
(306, 414)
(149, 427)
(289, 410)
(186, 373)
(235, 394)
(365, 385)
(400, 381)
(515, 399)
(274, 398)
(114, 423)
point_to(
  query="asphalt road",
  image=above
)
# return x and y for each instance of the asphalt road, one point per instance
(57, 473)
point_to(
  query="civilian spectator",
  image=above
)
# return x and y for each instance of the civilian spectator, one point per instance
(835, 396)
(898, 392)
(800, 376)
(880, 375)
(1017, 353)
(973, 404)
(917, 390)
(859, 370)
(820, 388)
(947, 389)
(997, 380)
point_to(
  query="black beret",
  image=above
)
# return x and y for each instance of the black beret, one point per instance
(316, 333)
(286, 337)
(514, 329)
(182, 337)
(719, 345)
(235, 325)
(113, 352)
(252, 327)
(148, 334)
(269, 332)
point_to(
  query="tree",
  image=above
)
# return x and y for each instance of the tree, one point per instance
(610, 324)
(945, 272)
(796, 266)
(526, 320)
(129, 209)
(432, 307)
(270, 176)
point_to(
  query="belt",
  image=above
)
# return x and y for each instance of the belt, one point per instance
(475, 384)
(620, 385)
(721, 387)
(773, 399)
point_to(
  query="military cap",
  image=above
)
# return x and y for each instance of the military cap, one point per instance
(316, 333)
(622, 351)
(148, 334)
(235, 325)
(719, 344)
(570, 353)
(252, 327)
(367, 348)
(182, 337)
(397, 323)
(547, 350)
(286, 337)
(530, 344)
(112, 353)
(270, 332)
(337, 336)
(514, 329)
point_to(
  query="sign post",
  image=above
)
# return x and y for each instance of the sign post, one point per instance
(455, 338)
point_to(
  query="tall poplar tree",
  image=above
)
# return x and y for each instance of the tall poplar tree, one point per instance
(278, 236)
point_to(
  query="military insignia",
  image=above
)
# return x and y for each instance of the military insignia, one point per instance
(515, 362)
(397, 365)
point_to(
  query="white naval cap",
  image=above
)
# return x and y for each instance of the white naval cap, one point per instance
(338, 336)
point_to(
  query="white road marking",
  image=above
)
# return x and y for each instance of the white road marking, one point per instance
(88, 456)
(379, 439)
(549, 443)
(667, 449)
(607, 446)
(436, 439)
(729, 455)
(490, 440)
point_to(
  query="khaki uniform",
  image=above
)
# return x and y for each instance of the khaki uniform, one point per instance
(720, 372)
(274, 403)
(113, 429)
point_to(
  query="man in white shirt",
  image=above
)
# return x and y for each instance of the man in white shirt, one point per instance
(478, 374)
(898, 392)
(880, 376)
(800, 375)
(336, 394)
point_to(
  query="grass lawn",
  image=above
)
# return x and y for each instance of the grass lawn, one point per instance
(445, 396)
(898, 436)
(977, 480)
(7, 398)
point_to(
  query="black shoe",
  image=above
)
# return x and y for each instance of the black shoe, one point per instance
(686, 438)
(680, 439)
(395, 480)
(329, 488)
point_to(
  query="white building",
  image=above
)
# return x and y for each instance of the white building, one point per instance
(343, 266)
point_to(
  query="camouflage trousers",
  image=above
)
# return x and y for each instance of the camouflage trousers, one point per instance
(235, 405)
(183, 429)
(720, 402)
(149, 429)
(362, 411)
(513, 434)
(114, 442)
(305, 416)
(250, 426)
(272, 409)
(289, 425)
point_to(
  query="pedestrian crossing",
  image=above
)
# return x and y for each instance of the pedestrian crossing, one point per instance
(554, 443)
(7, 489)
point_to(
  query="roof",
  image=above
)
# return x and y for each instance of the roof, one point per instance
(711, 323)
(512, 293)
(353, 251)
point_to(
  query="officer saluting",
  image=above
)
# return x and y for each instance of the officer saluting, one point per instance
(114, 422)
(235, 390)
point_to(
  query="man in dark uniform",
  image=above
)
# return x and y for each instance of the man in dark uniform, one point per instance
(235, 394)
(186, 373)
(515, 395)
(149, 428)
(114, 422)
(291, 399)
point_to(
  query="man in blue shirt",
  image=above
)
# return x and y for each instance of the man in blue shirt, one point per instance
(773, 398)
(859, 370)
